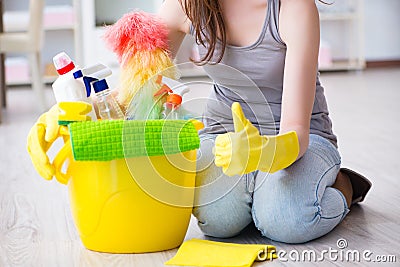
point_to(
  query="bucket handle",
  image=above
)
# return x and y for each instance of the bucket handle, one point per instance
(71, 111)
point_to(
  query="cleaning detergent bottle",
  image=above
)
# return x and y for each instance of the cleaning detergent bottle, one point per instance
(175, 90)
(66, 88)
(107, 105)
(91, 74)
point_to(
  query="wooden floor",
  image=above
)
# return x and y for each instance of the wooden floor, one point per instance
(36, 228)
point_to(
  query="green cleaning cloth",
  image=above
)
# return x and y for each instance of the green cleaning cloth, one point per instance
(116, 139)
(196, 252)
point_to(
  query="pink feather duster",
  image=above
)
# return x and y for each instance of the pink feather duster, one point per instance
(140, 41)
(136, 31)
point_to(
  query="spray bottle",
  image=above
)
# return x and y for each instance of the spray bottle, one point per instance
(66, 88)
(106, 103)
(90, 74)
(107, 106)
(175, 90)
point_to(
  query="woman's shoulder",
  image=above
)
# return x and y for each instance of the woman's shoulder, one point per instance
(298, 21)
(172, 12)
(298, 4)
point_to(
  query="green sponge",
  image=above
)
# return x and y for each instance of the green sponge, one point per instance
(116, 139)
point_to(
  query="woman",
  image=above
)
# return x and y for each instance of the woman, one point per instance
(268, 50)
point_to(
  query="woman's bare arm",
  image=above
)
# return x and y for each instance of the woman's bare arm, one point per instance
(178, 24)
(299, 29)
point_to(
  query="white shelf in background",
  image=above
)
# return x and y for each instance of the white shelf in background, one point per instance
(58, 17)
(343, 20)
(344, 65)
(337, 16)
(55, 18)
(46, 80)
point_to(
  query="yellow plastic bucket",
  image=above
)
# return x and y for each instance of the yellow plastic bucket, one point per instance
(133, 205)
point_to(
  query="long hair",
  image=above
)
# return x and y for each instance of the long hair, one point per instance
(207, 22)
(208, 25)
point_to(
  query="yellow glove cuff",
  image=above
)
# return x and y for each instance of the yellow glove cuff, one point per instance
(284, 149)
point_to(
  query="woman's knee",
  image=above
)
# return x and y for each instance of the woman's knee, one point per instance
(292, 222)
(218, 223)
(285, 225)
(298, 224)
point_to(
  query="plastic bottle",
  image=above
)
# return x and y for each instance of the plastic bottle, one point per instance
(172, 109)
(91, 74)
(83, 75)
(107, 106)
(66, 88)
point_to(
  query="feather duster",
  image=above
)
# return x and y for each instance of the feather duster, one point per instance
(140, 41)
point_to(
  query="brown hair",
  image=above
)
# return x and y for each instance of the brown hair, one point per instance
(207, 22)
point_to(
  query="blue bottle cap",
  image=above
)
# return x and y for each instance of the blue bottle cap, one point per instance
(78, 74)
(100, 86)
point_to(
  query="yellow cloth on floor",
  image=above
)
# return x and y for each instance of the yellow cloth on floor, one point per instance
(196, 252)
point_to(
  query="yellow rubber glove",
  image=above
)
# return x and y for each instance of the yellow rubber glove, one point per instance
(40, 138)
(245, 150)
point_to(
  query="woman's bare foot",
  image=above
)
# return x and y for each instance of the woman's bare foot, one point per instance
(343, 184)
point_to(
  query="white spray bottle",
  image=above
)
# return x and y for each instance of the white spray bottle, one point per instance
(66, 88)
(91, 74)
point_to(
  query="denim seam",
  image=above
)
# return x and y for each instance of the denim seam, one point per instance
(255, 220)
(322, 217)
(319, 182)
(316, 203)
(250, 182)
(345, 208)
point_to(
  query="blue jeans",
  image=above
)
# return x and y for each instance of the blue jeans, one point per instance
(293, 205)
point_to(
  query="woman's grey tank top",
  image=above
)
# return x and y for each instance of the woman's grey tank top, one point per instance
(253, 76)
